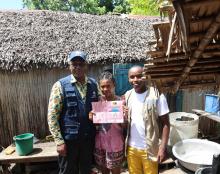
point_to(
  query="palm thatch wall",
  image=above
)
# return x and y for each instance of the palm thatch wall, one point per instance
(43, 38)
(33, 53)
(24, 100)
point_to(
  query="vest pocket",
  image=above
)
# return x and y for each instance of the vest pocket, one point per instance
(72, 128)
(70, 94)
(71, 104)
(72, 108)
(71, 131)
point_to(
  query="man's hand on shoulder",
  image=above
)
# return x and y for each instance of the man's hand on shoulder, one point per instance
(61, 149)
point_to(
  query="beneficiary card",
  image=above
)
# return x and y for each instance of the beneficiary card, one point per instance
(108, 112)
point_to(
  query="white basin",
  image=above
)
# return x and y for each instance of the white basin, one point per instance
(195, 153)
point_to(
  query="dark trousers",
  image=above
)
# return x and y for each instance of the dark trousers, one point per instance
(79, 157)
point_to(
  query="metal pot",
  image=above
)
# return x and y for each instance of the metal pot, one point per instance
(195, 153)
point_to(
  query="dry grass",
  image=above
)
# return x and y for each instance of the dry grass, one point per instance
(44, 38)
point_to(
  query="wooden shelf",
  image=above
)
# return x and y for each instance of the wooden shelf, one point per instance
(207, 114)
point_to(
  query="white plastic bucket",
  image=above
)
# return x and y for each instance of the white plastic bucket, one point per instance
(180, 130)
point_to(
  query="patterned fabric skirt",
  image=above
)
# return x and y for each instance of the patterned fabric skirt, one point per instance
(109, 147)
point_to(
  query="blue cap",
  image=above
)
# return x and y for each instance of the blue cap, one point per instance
(77, 55)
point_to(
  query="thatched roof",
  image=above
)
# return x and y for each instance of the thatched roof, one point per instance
(43, 38)
(187, 49)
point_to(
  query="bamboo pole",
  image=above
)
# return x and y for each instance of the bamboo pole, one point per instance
(183, 22)
(171, 37)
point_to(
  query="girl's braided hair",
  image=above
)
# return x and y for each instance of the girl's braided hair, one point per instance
(107, 76)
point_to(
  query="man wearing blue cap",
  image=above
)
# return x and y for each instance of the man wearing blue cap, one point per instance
(69, 106)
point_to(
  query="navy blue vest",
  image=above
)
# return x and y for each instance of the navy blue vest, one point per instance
(74, 121)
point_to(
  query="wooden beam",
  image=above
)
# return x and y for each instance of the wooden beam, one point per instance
(198, 86)
(209, 60)
(198, 52)
(158, 24)
(206, 66)
(190, 86)
(166, 64)
(192, 76)
(158, 57)
(204, 3)
(179, 66)
(176, 56)
(210, 54)
(178, 71)
(196, 29)
(183, 62)
(155, 53)
(172, 74)
(211, 70)
(196, 37)
(211, 46)
(163, 69)
(201, 20)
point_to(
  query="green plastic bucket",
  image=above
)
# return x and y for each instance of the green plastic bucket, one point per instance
(24, 143)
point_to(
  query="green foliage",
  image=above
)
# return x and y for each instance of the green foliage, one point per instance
(122, 6)
(108, 4)
(118, 9)
(144, 7)
(87, 6)
(141, 7)
(81, 6)
(46, 5)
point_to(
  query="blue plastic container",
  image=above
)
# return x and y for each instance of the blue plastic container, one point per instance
(212, 103)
